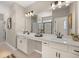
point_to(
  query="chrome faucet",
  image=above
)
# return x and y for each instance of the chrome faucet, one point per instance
(26, 32)
(59, 35)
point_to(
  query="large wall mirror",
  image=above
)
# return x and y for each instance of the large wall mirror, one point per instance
(43, 26)
(46, 25)
(54, 21)
(44, 22)
(51, 25)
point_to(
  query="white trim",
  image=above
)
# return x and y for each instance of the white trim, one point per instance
(10, 46)
(38, 51)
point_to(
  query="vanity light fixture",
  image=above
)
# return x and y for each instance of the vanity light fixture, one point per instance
(53, 6)
(67, 3)
(26, 14)
(59, 4)
(29, 13)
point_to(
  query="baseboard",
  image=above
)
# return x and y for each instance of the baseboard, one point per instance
(11, 46)
(38, 51)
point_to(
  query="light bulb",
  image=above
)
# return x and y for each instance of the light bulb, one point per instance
(26, 15)
(67, 3)
(59, 3)
(53, 5)
(59, 6)
(29, 14)
(53, 8)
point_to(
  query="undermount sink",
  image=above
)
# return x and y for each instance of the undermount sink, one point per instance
(38, 35)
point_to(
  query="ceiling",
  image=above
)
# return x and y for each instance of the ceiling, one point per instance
(25, 3)
(6, 3)
(22, 3)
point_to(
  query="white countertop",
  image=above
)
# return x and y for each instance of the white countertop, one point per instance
(52, 38)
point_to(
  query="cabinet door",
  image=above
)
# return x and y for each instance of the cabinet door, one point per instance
(60, 25)
(24, 45)
(48, 28)
(48, 52)
(68, 55)
(19, 43)
(35, 27)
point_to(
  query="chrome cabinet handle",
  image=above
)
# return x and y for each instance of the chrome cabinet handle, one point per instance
(59, 55)
(56, 54)
(76, 51)
(45, 43)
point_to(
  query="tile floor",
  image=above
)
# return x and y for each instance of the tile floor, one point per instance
(17, 53)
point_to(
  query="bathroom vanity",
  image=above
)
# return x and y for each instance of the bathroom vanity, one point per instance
(27, 44)
(48, 46)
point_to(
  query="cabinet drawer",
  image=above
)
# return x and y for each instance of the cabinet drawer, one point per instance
(45, 43)
(19, 42)
(59, 46)
(21, 37)
(74, 50)
(48, 52)
(21, 45)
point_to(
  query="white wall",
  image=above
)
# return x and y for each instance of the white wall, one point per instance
(77, 17)
(5, 11)
(60, 12)
(18, 23)
(44, 13)
(20, 19)
(10, 34)
(28, 24)
(39, 6)
(72, 10)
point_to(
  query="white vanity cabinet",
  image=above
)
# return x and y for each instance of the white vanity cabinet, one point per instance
(67, 55)
(48, 52)
(53, 51)
(22, 44)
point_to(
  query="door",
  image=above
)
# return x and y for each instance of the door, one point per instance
(60, 25)
(67, 55)
(22, 45)
(19, 43)
(48, 52)
(47, 28)
(2, 32)
(40, 27)
(28, 24)
(35, 27)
